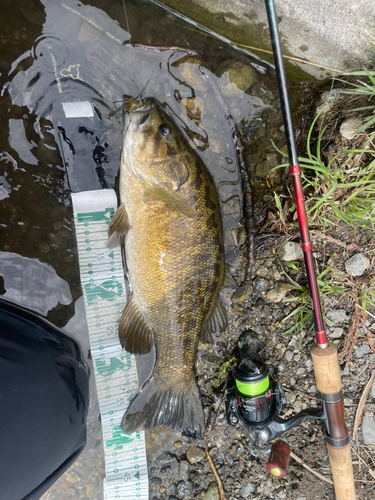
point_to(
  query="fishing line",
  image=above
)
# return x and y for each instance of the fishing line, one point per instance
(126, 19)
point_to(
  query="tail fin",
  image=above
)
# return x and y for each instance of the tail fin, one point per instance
(154, 405)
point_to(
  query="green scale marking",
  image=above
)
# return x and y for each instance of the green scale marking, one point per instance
(104, 291)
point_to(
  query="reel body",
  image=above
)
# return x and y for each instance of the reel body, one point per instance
(255, 402)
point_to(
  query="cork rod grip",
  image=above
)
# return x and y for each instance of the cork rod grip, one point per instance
(342, 472)
(326, 369)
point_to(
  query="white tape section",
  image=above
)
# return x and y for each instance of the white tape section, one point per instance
(78, 109)
(103, 286)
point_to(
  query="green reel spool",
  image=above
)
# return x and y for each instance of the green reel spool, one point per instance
(252, 378)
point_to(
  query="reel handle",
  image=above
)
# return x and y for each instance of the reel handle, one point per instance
(278, 460)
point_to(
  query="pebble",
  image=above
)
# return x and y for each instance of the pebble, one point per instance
(195, 454)
(291, 250)
(89, 490)
(356, 265)
(288, 356)
(165, 460)
(292, 381)
(260, 285)
(247, 490)
(336, 333)
(212, 492)
(72, 477)
(373, 390)
(242, 293)
(278, 293)
(300, 371)
(338, 316)
(362, 351)
(290, 397)
(349, 127)
(183, 472)
(184, 488)
(368, 430)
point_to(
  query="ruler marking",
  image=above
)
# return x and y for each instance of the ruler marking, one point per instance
(102, 278)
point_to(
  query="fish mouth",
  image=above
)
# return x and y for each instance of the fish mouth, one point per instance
(140, 113)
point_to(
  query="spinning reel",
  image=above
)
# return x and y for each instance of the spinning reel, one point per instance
(255, 402)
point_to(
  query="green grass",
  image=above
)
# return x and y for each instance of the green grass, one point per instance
(303, 313)
(337, 190)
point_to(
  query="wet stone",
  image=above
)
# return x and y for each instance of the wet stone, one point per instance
(291, 250)
(242, 293)
(260, 285)
(184, 488)
(183, 472)
(356, 265)
(195, 454)
(89, 490)
(73, 478)
(235, 77)
(248, 345)
(165, 460)
(212, 492)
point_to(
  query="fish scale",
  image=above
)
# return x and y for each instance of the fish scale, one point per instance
(175, 258)
(104, 291)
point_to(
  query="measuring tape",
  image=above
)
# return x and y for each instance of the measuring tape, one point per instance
(103, 286)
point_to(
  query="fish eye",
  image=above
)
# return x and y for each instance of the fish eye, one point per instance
(164, 129)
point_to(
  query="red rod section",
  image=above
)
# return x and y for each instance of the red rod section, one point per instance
(320, 334)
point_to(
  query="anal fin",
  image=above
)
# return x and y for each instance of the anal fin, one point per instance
(216, 322)
(135, 335)
(118, 227)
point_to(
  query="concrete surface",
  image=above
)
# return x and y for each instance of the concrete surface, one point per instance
(337, 34)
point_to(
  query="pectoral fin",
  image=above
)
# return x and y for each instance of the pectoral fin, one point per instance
(118, 227)
(215, 323)
(135, 335)
(170, 198)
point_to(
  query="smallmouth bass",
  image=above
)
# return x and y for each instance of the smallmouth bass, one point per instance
(170, 222)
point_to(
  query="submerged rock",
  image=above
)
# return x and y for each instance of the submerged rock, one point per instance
(235, 77)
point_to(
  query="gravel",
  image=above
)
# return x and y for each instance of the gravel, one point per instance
(368, 430)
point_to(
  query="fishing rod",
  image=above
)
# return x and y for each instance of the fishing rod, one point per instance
(324, 354)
